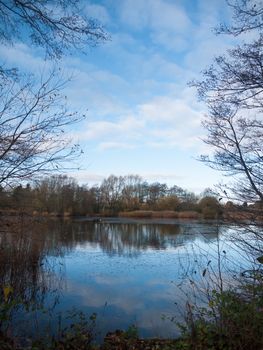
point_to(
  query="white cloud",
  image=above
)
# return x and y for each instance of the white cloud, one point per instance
(98, 12)
(163, 121)
(168, 16)
(158, 14)
(22, 56)
(172, 122)
(85, 176)
(115, 145)
(134, 13)
(124, 128)
(169, 109)
(162, 177)
(93, 88)
(167, 22)
(170, 40)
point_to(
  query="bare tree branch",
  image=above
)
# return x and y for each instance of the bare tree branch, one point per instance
(33, 119)
(56, 26)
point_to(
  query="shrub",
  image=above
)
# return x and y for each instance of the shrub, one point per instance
(209, 207)
(232, 321)
(168, 203)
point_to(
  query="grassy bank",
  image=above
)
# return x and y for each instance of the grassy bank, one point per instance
(228, 216)
(165, 214)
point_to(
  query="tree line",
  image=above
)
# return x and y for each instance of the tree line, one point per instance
(62, 195)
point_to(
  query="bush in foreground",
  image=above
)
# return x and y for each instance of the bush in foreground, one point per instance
(233, 320)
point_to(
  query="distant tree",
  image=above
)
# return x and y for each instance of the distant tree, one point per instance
(131, 192)
(111, 193)
(56, 194)
(210, 207)
(229, 205)
(176, 191)
(156, 191)
(168, 203)
(85, 201)
(208, 192)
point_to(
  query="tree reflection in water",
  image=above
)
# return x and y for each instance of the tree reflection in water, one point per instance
(32, 251)
(126, 238)
(25, 244)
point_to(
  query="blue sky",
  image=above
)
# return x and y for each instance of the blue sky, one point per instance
(142, 116)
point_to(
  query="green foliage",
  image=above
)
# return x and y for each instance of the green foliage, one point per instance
(131, 332)
(7, 306)
(232, 320)
(78, 335)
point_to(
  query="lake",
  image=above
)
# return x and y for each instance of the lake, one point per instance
(128, 272)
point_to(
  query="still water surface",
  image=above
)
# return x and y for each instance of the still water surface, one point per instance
(126, 271)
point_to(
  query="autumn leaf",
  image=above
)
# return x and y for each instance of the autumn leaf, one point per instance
(7, 291)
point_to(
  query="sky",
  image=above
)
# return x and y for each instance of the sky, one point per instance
(142, 116)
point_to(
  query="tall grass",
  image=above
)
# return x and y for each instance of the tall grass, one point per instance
(165, 214)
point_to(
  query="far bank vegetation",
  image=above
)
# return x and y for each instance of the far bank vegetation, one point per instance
(126, 196)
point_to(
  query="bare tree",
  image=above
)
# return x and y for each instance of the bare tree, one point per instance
(238, 153)
(33, 119)
(33, 113)
(233, 91)
(232, 88)
(57, 26)
(247, 16)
